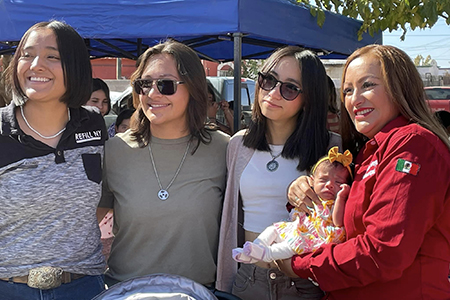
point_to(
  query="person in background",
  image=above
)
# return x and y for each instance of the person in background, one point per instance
(100, 96)
(398, 210)
(213, 107)
(285, 139)
(123, 120)
(333, 110)
(50, 171)
(163, 174)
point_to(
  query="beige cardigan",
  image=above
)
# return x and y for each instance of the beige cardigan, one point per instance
(238, 157)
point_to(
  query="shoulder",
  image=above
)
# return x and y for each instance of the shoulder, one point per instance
(6, 119)
(219, 137)
(238, 138)
(418, 140)
(122, 140)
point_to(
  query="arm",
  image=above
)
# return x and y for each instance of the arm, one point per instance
(101, 213)
(228, 114)
(339, 206)
(400, 209)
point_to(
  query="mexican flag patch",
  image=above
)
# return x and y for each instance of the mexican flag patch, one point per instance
(407, 167)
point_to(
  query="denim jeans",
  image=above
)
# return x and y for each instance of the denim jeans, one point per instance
(84, 288)
(255, 283)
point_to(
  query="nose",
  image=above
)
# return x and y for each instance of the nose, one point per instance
(356, 99)
(153, 90)
(37, 63)
(275, 92)
(329, 185)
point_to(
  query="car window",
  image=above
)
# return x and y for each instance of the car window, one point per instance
(229, 93)
(437, 94)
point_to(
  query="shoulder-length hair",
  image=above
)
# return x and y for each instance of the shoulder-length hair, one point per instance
(97, 85)
(75, 64)
(404, 88)
(310, 138)
(192, 73)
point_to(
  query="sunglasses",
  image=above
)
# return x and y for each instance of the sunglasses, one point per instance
(288, 91)
(165, 86)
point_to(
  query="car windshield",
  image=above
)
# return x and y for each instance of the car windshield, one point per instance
(437, 93)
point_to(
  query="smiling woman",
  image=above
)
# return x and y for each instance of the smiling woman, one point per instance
(50, 148)
(165, 176)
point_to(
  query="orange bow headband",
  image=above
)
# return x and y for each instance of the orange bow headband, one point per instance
(333, 155)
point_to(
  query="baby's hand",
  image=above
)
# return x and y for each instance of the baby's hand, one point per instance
(339, 205)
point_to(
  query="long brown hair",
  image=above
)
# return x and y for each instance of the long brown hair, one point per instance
(310, 138)
(404, 87)
(192, 73)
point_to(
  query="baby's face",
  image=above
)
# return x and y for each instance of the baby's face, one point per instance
(328, 179)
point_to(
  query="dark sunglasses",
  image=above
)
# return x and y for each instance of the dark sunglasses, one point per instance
(288, 91)
(165, 86)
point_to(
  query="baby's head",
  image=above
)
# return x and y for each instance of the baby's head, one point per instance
(330, 172)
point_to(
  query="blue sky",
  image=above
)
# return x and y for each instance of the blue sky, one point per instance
(434, 42)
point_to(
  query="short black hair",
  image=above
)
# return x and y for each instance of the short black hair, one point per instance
(124, 114)
(443, 117)
(75, 62)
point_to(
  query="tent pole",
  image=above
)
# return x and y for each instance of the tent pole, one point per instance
(237, 39)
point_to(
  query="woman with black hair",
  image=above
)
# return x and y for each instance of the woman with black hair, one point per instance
(50, 171)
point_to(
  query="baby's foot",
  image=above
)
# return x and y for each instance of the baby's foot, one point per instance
(254, 250)
(239, 256)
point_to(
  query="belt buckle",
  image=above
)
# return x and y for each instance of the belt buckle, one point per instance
(45, 278)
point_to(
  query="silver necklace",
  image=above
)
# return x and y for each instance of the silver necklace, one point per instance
(37, 132)
(272, 165)
(163, 193)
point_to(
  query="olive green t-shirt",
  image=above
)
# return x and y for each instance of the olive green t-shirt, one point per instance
(175, 236)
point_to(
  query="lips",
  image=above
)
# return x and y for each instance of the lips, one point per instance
(362, 111)
(159, 105)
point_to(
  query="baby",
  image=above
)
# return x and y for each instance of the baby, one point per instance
(306, 233)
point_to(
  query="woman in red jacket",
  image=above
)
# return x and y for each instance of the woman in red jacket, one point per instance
(398, 210)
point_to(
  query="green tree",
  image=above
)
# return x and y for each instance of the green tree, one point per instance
(250, 68)
(423, 62)
(383, 15)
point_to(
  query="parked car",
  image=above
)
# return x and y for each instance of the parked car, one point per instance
(438, 97)
(225, 87)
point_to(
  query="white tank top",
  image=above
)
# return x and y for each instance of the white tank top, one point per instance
(264, 193)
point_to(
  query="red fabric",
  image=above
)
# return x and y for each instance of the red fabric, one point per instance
(398, 224)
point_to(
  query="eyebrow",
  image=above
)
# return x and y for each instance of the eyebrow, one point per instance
(292, 80)
(160, 76)
(48, 47)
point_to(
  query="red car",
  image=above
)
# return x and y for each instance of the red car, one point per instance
(438, 97)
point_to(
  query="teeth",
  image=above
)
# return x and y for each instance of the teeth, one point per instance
(39, 79)
(158, 105)
(364, 111)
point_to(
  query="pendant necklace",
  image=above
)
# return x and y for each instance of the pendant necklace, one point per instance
(37, 132)
(163, 193)
(272, 165)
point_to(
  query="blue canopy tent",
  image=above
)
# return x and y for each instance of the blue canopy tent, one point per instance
(219, 30)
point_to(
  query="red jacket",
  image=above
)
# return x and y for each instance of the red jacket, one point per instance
(397, 219)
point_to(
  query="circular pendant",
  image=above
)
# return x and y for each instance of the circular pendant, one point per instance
(163, 194)
(272, 165)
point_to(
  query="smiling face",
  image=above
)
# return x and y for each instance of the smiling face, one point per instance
(165, 112)
(365, 96)
(99, 100)
(273, 106)
(328, 178)
(39, 68)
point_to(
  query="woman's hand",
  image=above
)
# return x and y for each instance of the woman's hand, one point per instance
(212, 110)
(301, 194)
